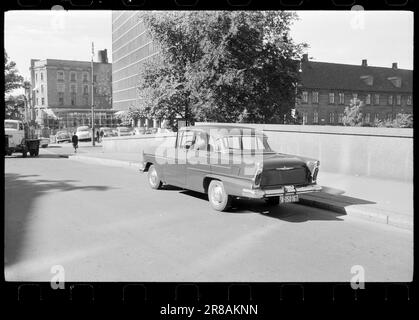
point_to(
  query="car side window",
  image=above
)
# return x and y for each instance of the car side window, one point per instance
(186, 140)
(200, 142)
(215, 144)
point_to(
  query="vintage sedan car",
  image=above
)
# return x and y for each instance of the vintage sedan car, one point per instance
(84, 133)
(107, 132)
(124, 131)
(229, 162)
(62, 136)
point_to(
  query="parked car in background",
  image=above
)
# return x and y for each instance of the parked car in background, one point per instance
(62, 136)
(84, 133)
(151, 131)
(107, 132)
(229, 162)
(139, 130)
(124, 131)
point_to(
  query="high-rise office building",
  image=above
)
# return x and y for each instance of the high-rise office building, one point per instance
(131, 46)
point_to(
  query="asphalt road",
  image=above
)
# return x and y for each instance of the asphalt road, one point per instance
(105, 224)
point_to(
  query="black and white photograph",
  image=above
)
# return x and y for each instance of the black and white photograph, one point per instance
(208, 146)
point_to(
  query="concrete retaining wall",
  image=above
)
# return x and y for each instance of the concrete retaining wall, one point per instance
(136, 144)
(376, 152)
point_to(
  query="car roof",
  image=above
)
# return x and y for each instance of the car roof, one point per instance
(208, 127)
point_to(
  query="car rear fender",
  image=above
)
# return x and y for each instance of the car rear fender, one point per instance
(232, 185)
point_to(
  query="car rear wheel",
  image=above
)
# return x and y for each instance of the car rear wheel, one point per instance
(153, 178)
(272, 201)
(217, 196)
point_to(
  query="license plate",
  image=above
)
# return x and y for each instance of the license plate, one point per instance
(288, 198)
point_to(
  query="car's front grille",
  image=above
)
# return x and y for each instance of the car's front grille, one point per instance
(284, 177)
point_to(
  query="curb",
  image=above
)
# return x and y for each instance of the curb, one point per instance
(106, 162)
(362, 211)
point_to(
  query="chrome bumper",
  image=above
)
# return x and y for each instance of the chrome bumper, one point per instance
(260, 193)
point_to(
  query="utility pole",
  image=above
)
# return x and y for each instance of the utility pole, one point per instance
(93, 99)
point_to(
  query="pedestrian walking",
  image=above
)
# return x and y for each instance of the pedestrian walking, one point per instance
(75, 140)
(101, 135)
(97, 136)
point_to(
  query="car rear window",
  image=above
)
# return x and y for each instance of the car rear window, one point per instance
(246, 143)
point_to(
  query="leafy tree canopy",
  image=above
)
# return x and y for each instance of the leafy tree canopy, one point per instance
(221, 66)
(352, 115)
(14, 106)
(12, 80)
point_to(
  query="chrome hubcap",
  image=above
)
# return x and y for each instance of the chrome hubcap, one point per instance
(217, 194)
(153, 177)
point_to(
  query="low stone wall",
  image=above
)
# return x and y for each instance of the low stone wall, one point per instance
(136, 144)
(360, 151)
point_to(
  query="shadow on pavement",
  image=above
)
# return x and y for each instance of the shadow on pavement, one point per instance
(41, 156)
(287, 212)
(332, 190)
(21, 194)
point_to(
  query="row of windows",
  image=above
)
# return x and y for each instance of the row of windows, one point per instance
(73, 76)
(369, 99)
(124, 23)
(41, 76)
(73, 88)
(73, 99)
(132, 69)
(119, 40)
(130, 46)
(337, 118)
(139, 54)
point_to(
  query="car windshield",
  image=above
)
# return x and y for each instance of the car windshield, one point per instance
(10, 125)
(249, 143)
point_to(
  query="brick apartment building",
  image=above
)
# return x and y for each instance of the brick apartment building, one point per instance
(327, 88)
(61, 92)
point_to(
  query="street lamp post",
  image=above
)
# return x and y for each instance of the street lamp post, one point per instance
(93, 100)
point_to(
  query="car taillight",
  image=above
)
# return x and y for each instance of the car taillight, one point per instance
(258, 175)
(313, 166)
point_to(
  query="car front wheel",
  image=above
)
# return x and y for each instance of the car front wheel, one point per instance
(153, 178)
(217, 196)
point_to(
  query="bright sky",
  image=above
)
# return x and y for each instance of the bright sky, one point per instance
(56, 34)
(381, 37)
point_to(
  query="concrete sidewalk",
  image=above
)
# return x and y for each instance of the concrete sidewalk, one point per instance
(382, 201)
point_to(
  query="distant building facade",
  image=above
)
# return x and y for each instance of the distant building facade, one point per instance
(327, 88)
(131, 47)
(62, 92)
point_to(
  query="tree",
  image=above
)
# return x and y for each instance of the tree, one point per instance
(12, 80)
(352, 115)
(402, 120)
(14, 106)
(221, 66)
